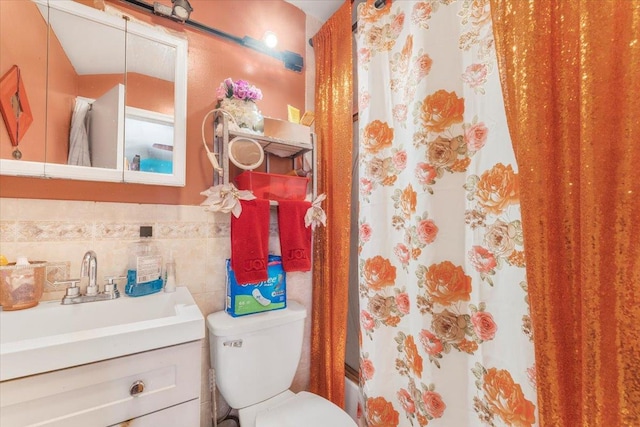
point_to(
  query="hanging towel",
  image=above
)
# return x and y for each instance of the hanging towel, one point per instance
(250, 241)
(78, 137)
(295, 237)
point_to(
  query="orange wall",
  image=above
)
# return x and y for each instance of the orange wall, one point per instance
(211, 60)
(146, 92)
(27, 50)
(149, 93)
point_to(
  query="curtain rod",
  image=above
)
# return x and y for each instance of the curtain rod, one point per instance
(378, 4)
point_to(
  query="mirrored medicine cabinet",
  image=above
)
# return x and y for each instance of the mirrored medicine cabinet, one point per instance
(107, 95)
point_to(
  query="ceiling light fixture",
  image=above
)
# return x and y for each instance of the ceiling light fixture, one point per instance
(180, 11)
(292, 61)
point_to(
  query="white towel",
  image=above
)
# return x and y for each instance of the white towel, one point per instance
(78, 137)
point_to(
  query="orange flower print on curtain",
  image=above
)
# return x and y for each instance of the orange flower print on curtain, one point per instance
(444, 286)
(441, 110)
(420, 403)
(418, 233)
(476, 14)
(410, 71)
(449, 141)
(381, 310)
(377, 136)
(503, 399)
(378, 273)
(381, 413)
(446, 283)
(491, 194)
(441, 262)
(496, 189)
(379, 38)
(423, 11)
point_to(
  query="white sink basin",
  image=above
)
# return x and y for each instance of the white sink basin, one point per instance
(52, 336)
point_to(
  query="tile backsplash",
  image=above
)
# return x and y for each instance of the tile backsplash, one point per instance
(60, 232)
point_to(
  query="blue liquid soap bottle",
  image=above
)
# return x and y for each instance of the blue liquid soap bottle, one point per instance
(144, 272)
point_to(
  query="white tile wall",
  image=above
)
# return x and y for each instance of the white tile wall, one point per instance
(62, 231)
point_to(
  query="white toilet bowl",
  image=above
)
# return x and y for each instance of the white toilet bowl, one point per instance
(301, 409)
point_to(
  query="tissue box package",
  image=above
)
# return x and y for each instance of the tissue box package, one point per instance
(249, 298)
(287, 131)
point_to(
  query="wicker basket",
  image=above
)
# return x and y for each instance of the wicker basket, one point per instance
(21, 286)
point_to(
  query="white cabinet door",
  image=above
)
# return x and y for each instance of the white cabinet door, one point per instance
(106, 130)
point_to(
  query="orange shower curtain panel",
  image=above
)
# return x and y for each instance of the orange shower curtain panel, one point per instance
(570, 73)
(333, 111)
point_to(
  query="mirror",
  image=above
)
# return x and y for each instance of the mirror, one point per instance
(85, 96)
(152, 107)
(115, 97)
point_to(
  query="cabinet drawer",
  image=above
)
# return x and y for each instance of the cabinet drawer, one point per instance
(99, 394)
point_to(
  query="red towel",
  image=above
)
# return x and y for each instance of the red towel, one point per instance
(250, 241)
(295, 238)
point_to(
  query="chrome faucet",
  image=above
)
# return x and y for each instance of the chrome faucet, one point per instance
(89, 275)
(89, 270)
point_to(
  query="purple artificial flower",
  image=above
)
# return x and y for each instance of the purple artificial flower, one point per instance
(221, 92)
(254, 94)
(240, 92)
(240, 89)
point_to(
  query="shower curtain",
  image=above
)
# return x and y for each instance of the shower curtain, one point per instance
(446, 337)
(572, 94)
(333, 108)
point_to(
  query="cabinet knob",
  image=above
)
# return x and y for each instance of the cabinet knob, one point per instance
(136, 388)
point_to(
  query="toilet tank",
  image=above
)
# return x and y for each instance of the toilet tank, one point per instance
(255, 357)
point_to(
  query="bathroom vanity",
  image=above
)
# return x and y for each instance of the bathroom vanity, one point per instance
(126, 362)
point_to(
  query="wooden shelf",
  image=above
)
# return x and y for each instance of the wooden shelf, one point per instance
(275, 146)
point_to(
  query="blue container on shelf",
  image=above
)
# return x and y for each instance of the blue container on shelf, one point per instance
(156, 165)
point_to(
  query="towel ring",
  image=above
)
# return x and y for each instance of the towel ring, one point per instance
(245, 153)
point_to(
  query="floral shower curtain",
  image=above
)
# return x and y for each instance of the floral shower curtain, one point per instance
(446, 338)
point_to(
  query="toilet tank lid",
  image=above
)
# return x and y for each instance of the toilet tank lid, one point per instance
(305, 409)
(222, 324)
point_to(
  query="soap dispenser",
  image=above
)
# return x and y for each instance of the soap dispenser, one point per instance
(170, 274)
(144, 272)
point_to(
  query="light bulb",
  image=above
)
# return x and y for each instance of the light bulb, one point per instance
(270, 39)
(181, 9)
(180, 12)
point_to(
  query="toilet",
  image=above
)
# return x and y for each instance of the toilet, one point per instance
(255, 358)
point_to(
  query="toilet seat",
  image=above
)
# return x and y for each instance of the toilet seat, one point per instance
(304, 409)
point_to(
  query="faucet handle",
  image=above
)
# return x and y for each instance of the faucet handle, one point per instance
(92, 290)
(111, 287)
(73, 290)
